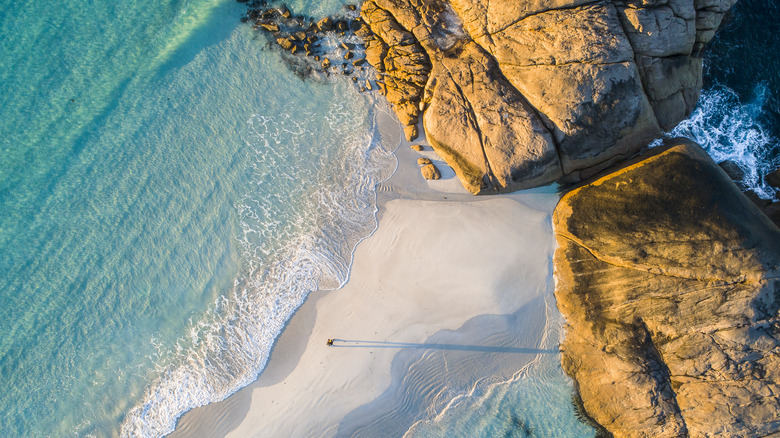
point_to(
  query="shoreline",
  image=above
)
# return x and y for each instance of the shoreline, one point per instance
(405, 265)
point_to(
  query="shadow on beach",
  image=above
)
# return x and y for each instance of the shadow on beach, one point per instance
(345, 343)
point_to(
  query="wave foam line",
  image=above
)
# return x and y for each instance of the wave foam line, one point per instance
(230, 348)
(730, 130)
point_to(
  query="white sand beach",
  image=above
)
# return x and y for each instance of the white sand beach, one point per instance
(446, 295)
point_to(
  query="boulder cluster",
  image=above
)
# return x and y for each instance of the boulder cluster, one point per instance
(667, 275)
(515, 94)
(327, 45)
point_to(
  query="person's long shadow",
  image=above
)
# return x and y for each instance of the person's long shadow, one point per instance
(349, 343)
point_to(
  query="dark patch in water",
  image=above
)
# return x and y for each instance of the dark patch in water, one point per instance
(300, 40)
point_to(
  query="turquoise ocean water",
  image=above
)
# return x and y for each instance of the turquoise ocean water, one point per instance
(170, 192)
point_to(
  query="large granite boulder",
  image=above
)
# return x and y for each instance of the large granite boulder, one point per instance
(518, 93)
(669, 280)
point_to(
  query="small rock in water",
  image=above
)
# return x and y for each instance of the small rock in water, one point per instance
(354, 79)
(773, 178)
(348, 55)
(286, 43)
(270, 27)
(430, 171)
(368, 85)
(316, 57)
(733, 170)
(325, 63)
(341, 25)
(424, 161)
(358, 62)
(284, 12)
(417, 147)
(311, 39)
(351, 7)
(325, 24)
(300, 35)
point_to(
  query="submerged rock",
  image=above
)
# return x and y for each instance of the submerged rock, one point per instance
(669, 280)
(286, 43)
(773, 178)
(325, 25)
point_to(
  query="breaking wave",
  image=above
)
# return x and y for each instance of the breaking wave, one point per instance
(730, 131)
(310, 207)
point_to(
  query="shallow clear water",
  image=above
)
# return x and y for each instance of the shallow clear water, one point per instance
(163, 181)
(170, 192)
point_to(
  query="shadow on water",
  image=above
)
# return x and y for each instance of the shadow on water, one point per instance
(347, 343)
(206, 26)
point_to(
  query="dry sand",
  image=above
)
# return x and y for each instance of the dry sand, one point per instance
(447, 294)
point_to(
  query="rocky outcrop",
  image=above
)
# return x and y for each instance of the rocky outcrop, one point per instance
(518, 93)
(669, 280)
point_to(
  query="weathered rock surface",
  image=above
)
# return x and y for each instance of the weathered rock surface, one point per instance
(669, 280)
(518, 93)
(430, 171)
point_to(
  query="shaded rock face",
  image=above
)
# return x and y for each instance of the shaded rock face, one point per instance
(669, 280)
(518, 93)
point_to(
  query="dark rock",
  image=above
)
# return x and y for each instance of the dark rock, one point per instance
(359, 62)
(773, 212)
(733, 170)
(754, 198)
(325, 25)
(348, 55)
(773, 178)
(270, 27)
(325, 63)
(286, 43)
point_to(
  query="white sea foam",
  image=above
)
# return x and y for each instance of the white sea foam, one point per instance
(730, 130)
(295, 240)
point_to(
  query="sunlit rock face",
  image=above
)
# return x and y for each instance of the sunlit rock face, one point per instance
(669, 280)
(519, 93)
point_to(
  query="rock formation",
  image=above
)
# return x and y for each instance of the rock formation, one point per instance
(669, 280)
(519, 93)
